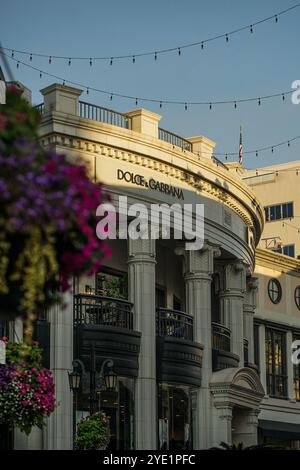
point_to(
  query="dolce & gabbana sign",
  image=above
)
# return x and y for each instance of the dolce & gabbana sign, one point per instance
(140, 180)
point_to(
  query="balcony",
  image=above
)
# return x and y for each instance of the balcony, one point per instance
(179, 357)
(222, 358)
(92, 309)
(106, 323)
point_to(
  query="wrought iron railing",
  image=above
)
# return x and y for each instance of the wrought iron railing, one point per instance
(40, 107)
(220, 337)
(174, 323)
(100, 310)
(108, 116)
(174, 139)
(246, 351)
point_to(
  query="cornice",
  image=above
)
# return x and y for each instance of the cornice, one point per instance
(269, 259)
(202, 184)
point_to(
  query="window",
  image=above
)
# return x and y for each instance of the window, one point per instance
(111, 283)
(276, 363)
(279, 211)
(296, 375)
(274, 291)
(288, 250)
(297, 296)
(256, 345)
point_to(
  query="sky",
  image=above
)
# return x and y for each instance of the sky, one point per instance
(249, 65)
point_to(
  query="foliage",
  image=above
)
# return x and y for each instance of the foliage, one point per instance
(48, 214)
(26, 389)
(93, 432)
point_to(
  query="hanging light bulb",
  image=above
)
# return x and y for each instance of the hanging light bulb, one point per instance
(136, 101)
(69, 61)
(227, 39)
(272, 150)
(18, 63)
(289, 143)
(30, 58)
(256, 153)
(111, 97)
(210, 106)
(155, 56)
(50, 60)
(40, 74)
(235, 105)
(91, 62)
(111, 61)
(64, 83)
(251, 28)
(160, 104)
(226, 156)
(133, 59)
(87, 91)
(202, 45)
(283, 97)
(185, 106)
(179, 51)
(12, 53)
(276, 19)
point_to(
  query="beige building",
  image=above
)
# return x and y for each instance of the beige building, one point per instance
(277, 187)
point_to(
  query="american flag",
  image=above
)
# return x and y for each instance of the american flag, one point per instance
(241, 147)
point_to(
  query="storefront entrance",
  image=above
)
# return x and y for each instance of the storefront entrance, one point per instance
(174, 417)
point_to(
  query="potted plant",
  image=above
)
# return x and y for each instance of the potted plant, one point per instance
(48, 217)
(93, 432)
(26, 389)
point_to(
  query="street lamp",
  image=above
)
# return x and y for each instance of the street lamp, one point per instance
(110, 380)
(74, 380)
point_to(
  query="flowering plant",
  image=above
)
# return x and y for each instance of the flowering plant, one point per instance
(93, 432)
(48, 215)
(27, 391)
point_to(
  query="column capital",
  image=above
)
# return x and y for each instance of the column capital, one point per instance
(199, 262)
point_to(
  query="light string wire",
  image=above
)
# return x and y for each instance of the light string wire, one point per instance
(159, 101)
(157, 52)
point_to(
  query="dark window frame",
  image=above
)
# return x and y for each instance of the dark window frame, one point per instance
(270, 291)
(276, 363)
(297, 288)
(282, 211)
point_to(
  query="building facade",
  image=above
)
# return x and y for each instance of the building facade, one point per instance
(177, 327)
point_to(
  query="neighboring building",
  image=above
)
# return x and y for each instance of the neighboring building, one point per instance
(277, 187)
(276, 326)
(178, 325)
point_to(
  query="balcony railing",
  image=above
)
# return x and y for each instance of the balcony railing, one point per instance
(40, 108)
(174, 139)
(174, 323)
(220, 337)
(100, 310)
(108, 116)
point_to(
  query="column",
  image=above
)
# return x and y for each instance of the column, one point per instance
(141, 274)
(59, 429)
(223, 425)
(290, 366)
(245, 427)
(198, 277)
(249, 310)
(262, 356)
(231, 305)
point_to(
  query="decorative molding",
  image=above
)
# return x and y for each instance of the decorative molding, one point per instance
(196, 181)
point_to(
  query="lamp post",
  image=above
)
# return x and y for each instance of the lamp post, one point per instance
(92, 382)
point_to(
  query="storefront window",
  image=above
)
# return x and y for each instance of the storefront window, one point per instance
(174, 417)
(119, 406)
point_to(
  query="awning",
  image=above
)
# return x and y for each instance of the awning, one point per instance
(279, 429)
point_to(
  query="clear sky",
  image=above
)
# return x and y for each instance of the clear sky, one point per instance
(249, 65)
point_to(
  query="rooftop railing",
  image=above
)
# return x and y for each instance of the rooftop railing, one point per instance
(108, 116)
(174, 323)
(100, 310)
(174, 139)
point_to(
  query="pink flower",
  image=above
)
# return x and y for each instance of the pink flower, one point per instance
(21, 117)
(3, 121)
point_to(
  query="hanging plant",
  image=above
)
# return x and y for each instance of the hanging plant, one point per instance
(48, 217)
(27, 394)
(93, 432)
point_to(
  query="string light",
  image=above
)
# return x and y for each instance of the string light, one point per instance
(40, 74)
(91, 62)
(235, 104)
(87, 91)
(50, 60)
(111, 97)
(158, 100)
(155, 56)
(185, 106)
(69, 61)
(111, 61)
(133, 59)
(178, 48)
(30, 58)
